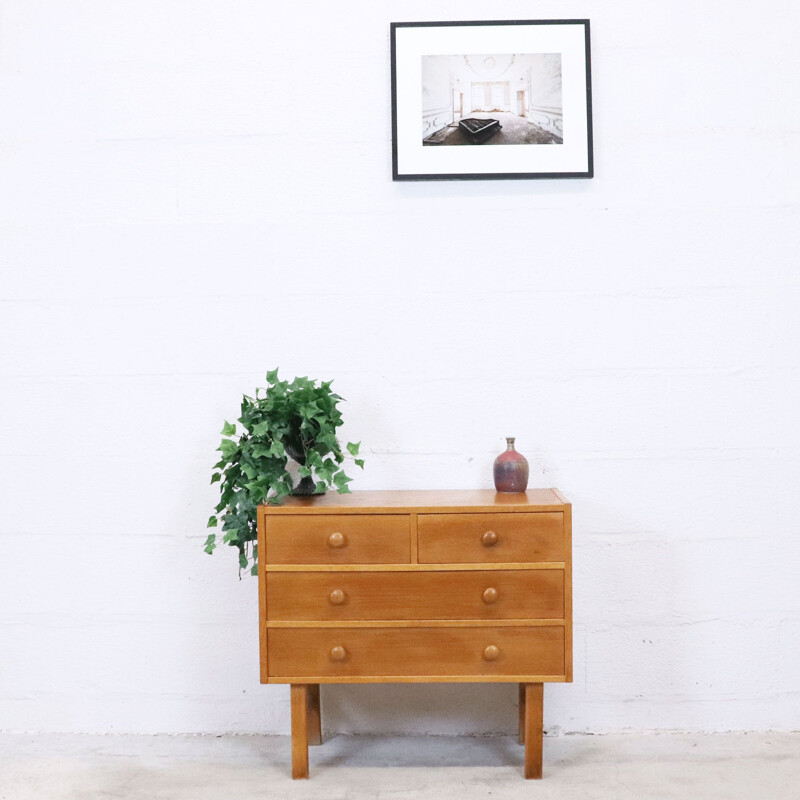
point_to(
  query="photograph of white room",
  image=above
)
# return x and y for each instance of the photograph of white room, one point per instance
(508, 98)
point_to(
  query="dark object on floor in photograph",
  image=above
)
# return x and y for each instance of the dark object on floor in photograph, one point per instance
(479, 130)
(510, 470)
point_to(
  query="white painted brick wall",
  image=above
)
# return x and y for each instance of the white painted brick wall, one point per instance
(188, 198)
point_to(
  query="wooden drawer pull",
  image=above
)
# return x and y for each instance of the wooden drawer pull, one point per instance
(336, 539)
(491, 653)
(489, 538)
(338, 653)
(337, 597)
(490, 595)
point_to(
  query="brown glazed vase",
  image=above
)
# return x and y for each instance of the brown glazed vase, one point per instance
(510, 470)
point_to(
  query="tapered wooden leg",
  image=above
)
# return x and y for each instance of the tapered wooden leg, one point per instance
(521, 736)
(534, 695)
(314, 717)
(299, 693)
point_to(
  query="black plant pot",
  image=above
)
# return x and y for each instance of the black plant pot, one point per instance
(306, 486)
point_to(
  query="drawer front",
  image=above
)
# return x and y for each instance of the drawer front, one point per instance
(338, 539)
(408, 652)
(481, 538)
(484, 594)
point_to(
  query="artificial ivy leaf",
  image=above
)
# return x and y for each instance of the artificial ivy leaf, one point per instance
(353, 448)
(254, 569)
(215, 477)
(272, 376)
(341, 480)
(211, 543)
(228, 448)
(228, 429)
(261, 429)
(243, 560)
(277, 449)
(212, 523)
(261, 450)
(359, 462)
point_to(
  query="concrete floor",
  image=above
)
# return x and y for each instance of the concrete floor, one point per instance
(514, 130)
(690, 767)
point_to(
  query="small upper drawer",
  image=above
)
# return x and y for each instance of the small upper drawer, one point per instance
(495, 538)
(338, 539)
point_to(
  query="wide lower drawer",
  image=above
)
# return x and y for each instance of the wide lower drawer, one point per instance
(344, 653)
(338, 539)
(484, 595)
(481, 538)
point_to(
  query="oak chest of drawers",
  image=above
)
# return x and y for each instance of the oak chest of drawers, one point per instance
(424, 586)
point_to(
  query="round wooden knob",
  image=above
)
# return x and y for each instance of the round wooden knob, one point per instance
(490, 595)
(337, 597)
(489, 538)
(336, 539)
(491, 653)
(338, 653)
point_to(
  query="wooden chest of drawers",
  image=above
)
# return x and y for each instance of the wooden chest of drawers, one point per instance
(371, 587)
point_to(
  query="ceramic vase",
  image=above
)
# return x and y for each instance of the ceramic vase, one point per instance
(510, 469)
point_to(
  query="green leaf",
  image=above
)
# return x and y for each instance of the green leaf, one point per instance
(353, 448)
(261, 429)
(228, 448)
(228, 429)
(341, 480)
(254, 569)
(277, 449)
(212, 523)
(215, 477)
(359, 462)
(211, 543)
(261, 451)
(325, 475)
(243, 560)
(272, 376)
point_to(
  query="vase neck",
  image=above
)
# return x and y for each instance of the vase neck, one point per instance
(510, 442)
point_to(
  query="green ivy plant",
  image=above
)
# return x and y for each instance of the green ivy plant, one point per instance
(286, 420)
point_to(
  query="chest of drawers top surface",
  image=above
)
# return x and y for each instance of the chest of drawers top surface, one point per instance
(421, 501)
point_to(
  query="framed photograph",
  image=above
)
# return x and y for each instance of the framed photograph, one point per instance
(491, 100)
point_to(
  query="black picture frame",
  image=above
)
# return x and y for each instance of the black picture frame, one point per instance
(558, 53)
